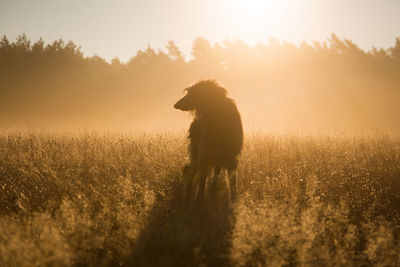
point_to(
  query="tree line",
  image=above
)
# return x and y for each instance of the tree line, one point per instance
(323, 84)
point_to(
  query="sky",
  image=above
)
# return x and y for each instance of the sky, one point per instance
(120, 28)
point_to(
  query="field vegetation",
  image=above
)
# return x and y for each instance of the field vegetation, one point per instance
(116, 199)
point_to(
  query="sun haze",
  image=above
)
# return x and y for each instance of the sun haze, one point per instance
(289, 64)
(119, 29)
(199, 133)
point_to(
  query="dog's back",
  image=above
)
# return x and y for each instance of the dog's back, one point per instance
(218, 135)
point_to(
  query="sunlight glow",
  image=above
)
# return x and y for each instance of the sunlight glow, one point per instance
(253, 7)
(253, 20)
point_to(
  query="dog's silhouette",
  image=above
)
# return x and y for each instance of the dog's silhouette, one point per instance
(216, 134)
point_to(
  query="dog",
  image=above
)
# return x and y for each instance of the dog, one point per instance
(215, 135)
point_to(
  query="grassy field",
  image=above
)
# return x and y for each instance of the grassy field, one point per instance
(108, 199)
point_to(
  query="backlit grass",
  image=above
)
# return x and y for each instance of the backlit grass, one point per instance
(106, 199)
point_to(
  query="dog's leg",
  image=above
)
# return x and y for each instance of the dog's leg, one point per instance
(203, 176)
(189, 171)
(232, 184)
(217, 171)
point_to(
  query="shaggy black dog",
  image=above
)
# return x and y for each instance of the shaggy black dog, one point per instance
(216, 134)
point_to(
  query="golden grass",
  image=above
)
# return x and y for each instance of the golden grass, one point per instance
(106, 199)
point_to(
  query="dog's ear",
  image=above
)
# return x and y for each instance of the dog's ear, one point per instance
(219, 92)
(216, 89)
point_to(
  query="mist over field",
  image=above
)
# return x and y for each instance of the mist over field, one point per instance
(96, 160)
(323, 86)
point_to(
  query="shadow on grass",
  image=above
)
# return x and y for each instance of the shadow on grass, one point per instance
(183, 233)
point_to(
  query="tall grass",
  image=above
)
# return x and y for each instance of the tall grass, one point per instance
(107, 199)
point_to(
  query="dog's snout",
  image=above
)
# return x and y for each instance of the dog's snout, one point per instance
(176, 105)
(182, 104)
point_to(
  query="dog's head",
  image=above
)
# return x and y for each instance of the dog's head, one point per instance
(201, 95)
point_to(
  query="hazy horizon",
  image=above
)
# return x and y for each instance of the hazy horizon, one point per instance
(119, 30)
(336, 82)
